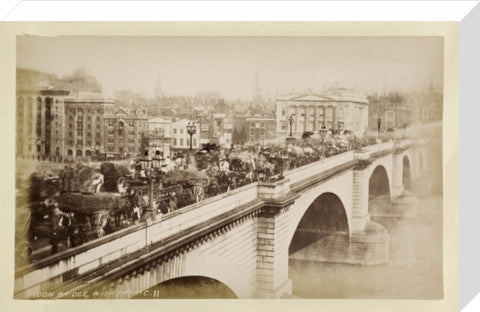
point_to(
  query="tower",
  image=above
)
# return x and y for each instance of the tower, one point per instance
(158, 89)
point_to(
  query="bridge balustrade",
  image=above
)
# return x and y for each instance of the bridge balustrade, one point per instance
(81, 259)
(300, 173)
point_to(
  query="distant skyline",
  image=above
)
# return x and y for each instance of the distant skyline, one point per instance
(227, 65)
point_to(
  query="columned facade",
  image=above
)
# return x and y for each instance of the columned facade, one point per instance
(336, 110)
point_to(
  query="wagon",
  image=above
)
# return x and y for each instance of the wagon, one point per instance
(91, 212)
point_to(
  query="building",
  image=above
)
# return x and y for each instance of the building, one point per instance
(220, 129)
(391, 108)
(40, 124)
(54, 127)
(84, 127)
(337, 109)
(126, 132)
(426, 106)
(181, 138)
(260, 129)
(160, 135)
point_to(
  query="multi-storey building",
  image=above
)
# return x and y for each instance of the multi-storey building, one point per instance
(126, 132)
(40, 124)
(160, 136)
(84, 127)
(392, 109)
(260, 129)
(181, 138)
(51, 126)
(220, 129)
(336, 109)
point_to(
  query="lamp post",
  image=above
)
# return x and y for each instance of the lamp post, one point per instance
(290, 121)
(191, 130)
(323, 134)
(149, 166)
(379, 123)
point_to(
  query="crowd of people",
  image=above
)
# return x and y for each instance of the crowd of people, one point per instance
(181, 180)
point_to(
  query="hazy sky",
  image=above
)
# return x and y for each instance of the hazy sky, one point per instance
(187, 65)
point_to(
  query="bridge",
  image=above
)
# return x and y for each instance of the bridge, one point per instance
(243, 239)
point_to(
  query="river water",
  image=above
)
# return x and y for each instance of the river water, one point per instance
(414, 270)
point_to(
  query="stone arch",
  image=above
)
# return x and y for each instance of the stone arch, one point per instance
(325, 216)
(70, 152)
(379, 191)
(79, 153)
(379, 182)
(189, 287)
(406, 173)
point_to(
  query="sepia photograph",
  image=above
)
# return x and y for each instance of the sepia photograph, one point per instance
(229, 167)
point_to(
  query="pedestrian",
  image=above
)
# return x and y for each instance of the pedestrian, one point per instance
(56, 218)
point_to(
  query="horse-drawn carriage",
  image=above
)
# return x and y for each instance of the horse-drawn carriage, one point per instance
(90, 213)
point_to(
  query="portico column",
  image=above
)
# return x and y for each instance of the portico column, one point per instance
(315, 118)
(296, 118)
(305, 127)
(334, 108)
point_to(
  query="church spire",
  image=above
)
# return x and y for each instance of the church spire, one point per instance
(158, 89)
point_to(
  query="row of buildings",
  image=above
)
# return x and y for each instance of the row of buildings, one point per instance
(52, 124)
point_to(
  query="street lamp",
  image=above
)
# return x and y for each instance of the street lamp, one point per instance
(290, 121)
(157, 160)
(379, 123)
(323, 134)
(149, 165)
(191, 130)
(145, 162)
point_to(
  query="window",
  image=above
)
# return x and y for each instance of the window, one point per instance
(97, 126)
(181, 141)
(174, 141)
(283, 112)
(174, 130)
(70, 134)
(181, 131)
(195, 142)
